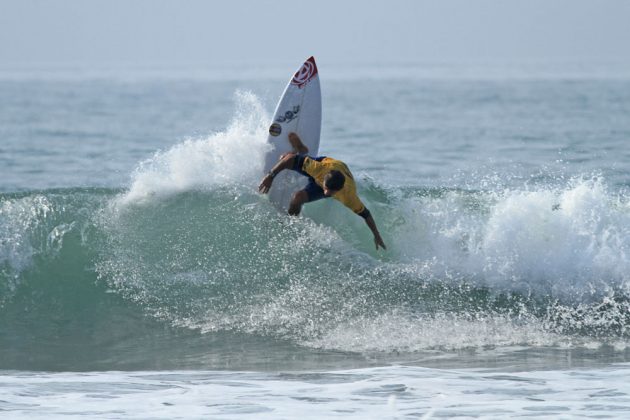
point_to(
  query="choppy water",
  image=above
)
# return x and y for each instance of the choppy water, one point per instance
(133, 246)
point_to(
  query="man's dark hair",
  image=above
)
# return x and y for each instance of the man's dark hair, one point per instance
(334, 180)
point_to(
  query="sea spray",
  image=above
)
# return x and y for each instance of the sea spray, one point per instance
(231, 157)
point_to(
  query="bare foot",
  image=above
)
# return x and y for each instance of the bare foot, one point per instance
(298, 146)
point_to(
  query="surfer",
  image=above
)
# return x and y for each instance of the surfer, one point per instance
(327, 177)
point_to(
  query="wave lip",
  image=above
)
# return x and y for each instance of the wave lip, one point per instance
(21, 217)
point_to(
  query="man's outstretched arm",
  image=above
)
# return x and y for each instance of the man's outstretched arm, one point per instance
(286, 162)
(369, 220)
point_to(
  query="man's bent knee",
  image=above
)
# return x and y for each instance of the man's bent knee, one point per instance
(299, 198)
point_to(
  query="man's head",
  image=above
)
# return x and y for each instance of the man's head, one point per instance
(333, 182)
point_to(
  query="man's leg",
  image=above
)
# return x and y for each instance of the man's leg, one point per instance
(298, 199)
(312, 192)
(296, 143)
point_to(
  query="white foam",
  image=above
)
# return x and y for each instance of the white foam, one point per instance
(571, 242)
(371, 393)
(404, 332)
(234, 156)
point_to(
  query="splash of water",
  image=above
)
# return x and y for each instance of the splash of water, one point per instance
(233, 156)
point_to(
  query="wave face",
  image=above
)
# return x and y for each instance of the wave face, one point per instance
(190, 246)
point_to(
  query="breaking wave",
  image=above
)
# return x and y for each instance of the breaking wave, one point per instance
(190, 244)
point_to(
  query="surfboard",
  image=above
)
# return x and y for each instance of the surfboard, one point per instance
(299, 110)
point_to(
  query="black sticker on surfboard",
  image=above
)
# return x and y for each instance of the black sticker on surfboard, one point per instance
(289, 115)
(275, 129)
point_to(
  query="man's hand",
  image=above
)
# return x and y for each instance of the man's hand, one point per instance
(378, 241)
(285, 162)
(265, 184)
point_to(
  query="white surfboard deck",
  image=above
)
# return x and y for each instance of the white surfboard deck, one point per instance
(300, 111)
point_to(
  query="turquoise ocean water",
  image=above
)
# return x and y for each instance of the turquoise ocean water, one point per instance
(142, 276)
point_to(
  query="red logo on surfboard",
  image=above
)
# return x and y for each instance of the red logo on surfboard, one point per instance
(305, 73)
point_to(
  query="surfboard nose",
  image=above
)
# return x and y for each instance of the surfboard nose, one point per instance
(305, 73)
